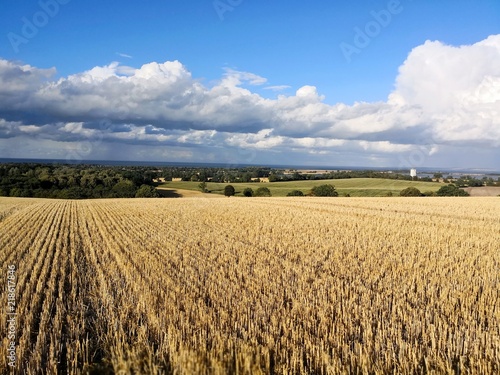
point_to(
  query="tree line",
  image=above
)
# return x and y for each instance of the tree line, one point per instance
(449, 190)
(326, 190)
(76, 181)
(96, 181)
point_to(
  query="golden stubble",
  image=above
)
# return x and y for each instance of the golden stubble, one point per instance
(258, 285)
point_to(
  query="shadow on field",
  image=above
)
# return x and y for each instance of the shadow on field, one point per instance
(164, 193)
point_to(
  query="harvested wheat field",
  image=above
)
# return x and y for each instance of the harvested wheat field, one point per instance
(251, 285)
(483, 191)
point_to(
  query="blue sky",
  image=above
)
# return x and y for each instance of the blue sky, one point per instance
(235, 60)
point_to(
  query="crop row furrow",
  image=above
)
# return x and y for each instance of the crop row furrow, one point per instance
(33, 316)
(29, 264)
(12, 240)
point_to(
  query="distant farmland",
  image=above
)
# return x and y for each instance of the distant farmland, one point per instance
(355, 187)
(251, 286)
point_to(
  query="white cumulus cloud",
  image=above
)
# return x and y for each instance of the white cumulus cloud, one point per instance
(443, 95)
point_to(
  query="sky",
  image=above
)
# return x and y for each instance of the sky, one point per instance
(393, 83)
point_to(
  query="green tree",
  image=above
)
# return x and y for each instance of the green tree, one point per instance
(88, 181)
(16, 192)
(263, 192)
(324, 191)
(410, 192)
(146, 191)
(430, 193)
(438, 176)
(246, 177)
(202, 186)
(489, 181)
(475, 182)
(295, 193)
(273, 178)
(229, 190)
(73, 192)
(124, 189)
(248, 192)
(451, 191)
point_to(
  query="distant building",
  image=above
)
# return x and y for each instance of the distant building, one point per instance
(413, 172)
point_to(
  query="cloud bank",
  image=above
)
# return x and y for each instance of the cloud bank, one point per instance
(444, 96)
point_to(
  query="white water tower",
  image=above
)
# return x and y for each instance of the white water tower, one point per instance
(413, 172)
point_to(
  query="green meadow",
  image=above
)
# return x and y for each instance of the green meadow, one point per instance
(355, 187)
